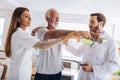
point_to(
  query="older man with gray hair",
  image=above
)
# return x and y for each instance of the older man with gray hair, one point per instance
(50, 61)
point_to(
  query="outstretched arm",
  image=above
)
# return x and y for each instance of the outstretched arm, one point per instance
(60, 33)
(54, 34)
(46, 45)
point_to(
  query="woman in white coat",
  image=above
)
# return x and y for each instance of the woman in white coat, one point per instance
(19, 43)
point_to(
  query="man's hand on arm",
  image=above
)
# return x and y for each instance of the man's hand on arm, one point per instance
(34, 31)
(84, 34)
(95, 36)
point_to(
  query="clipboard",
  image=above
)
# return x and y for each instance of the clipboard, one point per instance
(78, 62)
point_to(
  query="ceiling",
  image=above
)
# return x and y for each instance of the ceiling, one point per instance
(110, 8)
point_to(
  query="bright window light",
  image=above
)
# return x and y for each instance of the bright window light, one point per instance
(73, 26)
(2, 20)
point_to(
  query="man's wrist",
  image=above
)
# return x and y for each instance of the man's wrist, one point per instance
(92, 70)
(33, 33)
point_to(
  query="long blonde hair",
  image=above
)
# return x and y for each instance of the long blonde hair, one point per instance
(14, 24)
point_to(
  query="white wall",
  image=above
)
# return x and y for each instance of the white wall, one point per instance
(7, 15)
(37, 19)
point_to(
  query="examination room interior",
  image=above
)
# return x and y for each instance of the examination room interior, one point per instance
(74, 15)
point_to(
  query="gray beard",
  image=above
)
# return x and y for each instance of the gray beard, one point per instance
(54, 25)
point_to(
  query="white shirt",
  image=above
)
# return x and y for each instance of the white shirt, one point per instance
(21, 64)
(104, 59)
(50, 61)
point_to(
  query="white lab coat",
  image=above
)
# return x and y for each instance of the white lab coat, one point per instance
(21, 62)
(104, 59)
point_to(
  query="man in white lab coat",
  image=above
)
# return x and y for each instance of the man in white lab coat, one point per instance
(100, 60)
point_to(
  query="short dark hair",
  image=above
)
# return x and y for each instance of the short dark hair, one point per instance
(100, 17)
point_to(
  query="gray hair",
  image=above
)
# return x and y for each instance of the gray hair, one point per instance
(48, 12)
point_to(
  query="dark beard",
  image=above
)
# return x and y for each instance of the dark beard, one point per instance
(95, 29)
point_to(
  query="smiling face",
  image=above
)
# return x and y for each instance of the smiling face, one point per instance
(24, 19)
(52, 19)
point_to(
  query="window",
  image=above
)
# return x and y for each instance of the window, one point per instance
(72, 26)
(117, 32)
(2, 20)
